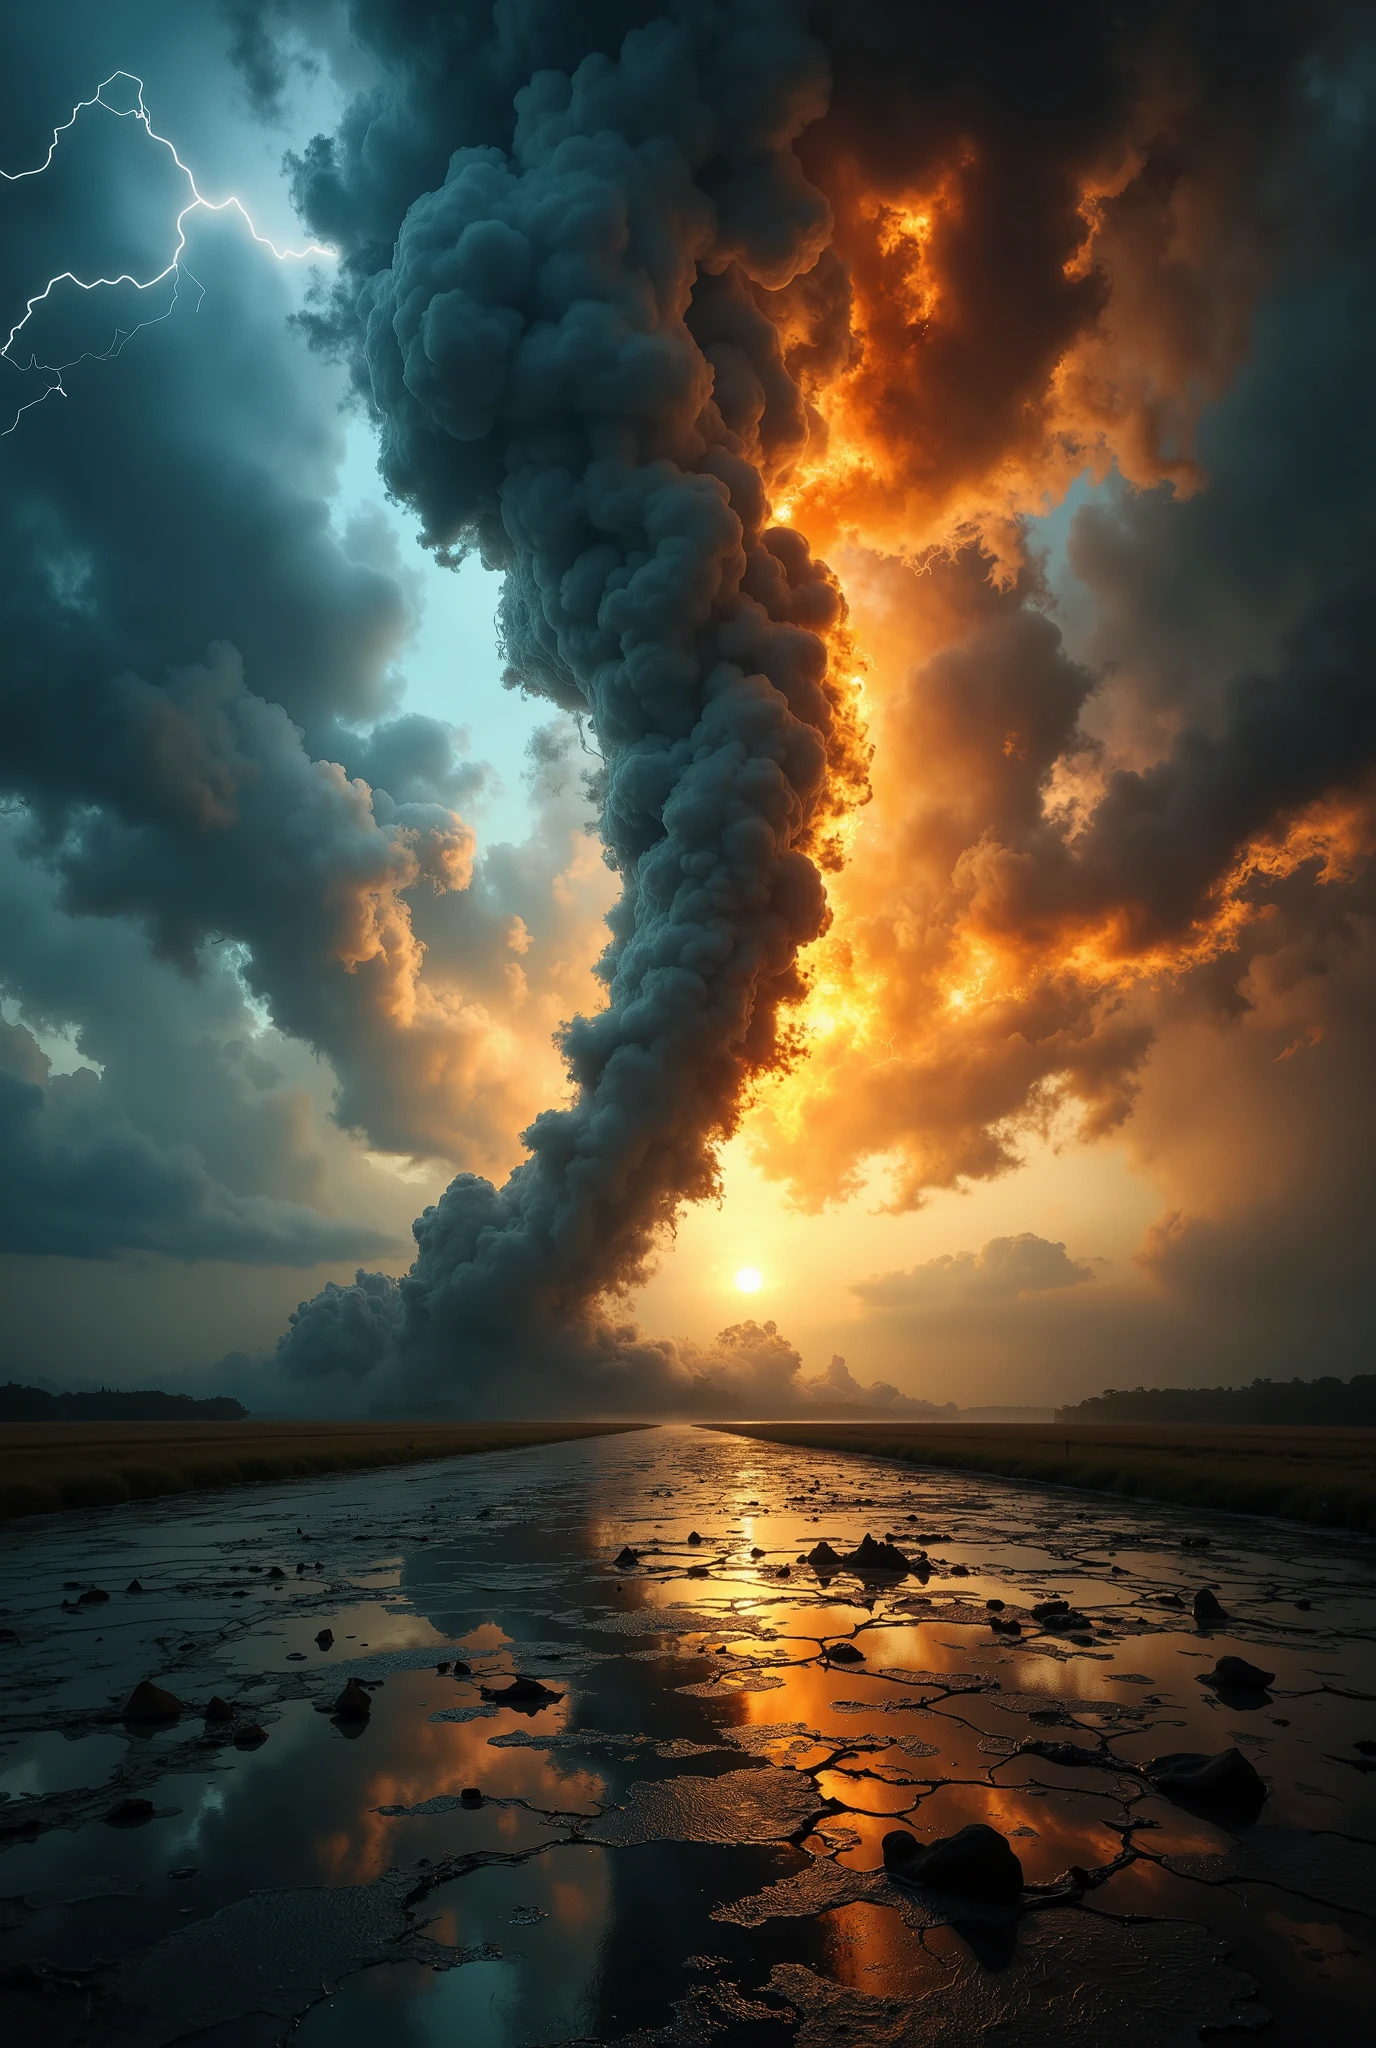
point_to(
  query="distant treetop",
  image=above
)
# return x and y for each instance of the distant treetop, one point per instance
(1313, 1401)
(114, 1404)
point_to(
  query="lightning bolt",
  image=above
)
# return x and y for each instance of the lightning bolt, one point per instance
(173, 268)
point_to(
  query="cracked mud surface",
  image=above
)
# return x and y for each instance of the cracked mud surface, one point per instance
(683, 1846)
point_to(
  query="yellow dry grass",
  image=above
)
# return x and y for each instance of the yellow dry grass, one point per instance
(50, 1465)
(1318, 1475)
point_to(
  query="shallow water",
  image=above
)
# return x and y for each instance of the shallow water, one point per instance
(685, 1845)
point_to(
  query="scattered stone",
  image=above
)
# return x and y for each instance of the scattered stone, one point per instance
(960, 1571)
(978, 1862)
(693, 1536)
(354, 1703)
(1004, 1628)
(324, 1638)
(94, 1596)
(996, 1606)
(470, 1796)
(844, 1653)
(149, 1703)
(1169, 1600)
(1304, 1605)
(462, 1670)
(1206, 1607)
(628, 1556)
(218, 1709)
(130, 1813)
(522, 1692)
(1226, 1782)
(277, 1572)
(698, 1571)
(1069, 1753)
(185, 1870)
(250, 1736)
(1194, 1542)
(1237, 1675)
(756, 1551)
(825, 1561)
(443, 1670)
(133, 1587)
(1050, 1610)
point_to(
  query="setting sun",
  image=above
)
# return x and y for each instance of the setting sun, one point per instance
(749, 1279)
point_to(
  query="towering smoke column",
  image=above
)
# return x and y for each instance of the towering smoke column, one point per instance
(571, 371)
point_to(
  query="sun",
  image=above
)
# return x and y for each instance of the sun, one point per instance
(750, 1279)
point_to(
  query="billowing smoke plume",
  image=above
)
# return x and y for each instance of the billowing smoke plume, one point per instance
(571, 371)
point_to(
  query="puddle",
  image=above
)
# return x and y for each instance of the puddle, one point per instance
(681, 1835)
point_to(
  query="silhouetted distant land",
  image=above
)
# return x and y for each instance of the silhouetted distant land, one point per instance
(114, 1404)
(1302, 1401)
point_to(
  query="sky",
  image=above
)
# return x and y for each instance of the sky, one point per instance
(695, 645)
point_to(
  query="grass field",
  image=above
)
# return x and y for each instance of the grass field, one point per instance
(1318, 1475)
(50, 1465)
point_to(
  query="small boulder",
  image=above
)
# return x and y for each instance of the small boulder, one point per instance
(628, 1556)
(824, 1560)
(277, 1572)
(977, 1863)
(442, 1670)
(693, 1536)
(94, 1596)
(1206, 1608)
(470, 1796)
(1222, 1783)
(755, 1551)
(995, 1606)
(133, 1587)
(130, 1813)
(522, 1692)
(324, 1639)
(149, 1703)
(462, 1670)
(1235, 1674)
(355, 1703)
(844, 1653)
(1050, 1610)
(218, 1710)
(250, 1736)
(871, 1557)
(698, 1571)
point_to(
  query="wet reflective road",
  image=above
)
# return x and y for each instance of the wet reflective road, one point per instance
(684, 1845)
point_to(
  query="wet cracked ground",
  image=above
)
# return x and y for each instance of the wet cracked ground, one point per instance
(677, 1837)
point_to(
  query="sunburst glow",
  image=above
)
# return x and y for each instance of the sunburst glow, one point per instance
(750, 1279)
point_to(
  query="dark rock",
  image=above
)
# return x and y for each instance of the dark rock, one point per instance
(1366, 1746)
(825, 1561)
(693, 1536)
(628, 1556)
(1235, 1674)
(522, 1692)
(869, 1556)
(462, 1670)
(442, 1670)
(250, 1736)
(483, 1514)
(960, 1571)
(1222, 1783)
(354, 1703)
(1206, 1607)
(1005, 1628)
(756, 1551)
(1050, 1610)
(698, 1571)
(470, 1796)
(324, 1638)
(148, 1702)
(844, 1653)
(1169, 1600)
(995, 1606)
(977, 1863)
(1304, 1605)
(8, 1636)
(133, 1587)
(218, 1709)
(1194, 1542)
(130, 1813)
(94, 1596)
(277, 1572)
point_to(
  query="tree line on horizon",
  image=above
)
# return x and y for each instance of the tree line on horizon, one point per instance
(1326, 1400)
(114, 1404)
